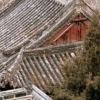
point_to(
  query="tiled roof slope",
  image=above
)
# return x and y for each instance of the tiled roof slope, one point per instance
(32, 21)
(27, 19)
(38, 94)
(7, 63)
(95, 4)
(76, 7)
(42, 66)
(7, 6)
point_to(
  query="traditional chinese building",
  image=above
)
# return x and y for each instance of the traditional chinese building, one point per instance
(36, 38)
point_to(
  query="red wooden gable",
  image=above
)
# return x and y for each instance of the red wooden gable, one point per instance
(73, 31)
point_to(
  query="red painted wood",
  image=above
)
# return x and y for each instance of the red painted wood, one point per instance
(74, 31)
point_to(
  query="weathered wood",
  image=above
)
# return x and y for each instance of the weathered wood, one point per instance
(53, 49)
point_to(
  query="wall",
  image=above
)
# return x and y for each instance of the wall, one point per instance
(71, 32)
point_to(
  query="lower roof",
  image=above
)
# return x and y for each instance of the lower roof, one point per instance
(41, 66)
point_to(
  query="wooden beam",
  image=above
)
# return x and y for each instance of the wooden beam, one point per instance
(69, 47)
(64, 32)
(78, 20)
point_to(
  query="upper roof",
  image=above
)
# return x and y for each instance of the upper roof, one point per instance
(26, 20)
(29, 22)
(94, 4)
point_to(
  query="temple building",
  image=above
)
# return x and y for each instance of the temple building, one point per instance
(36, 38)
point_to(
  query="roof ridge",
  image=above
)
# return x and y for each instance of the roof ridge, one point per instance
(54, 49)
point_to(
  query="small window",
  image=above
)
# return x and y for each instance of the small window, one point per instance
(20, 94)
(9, 97)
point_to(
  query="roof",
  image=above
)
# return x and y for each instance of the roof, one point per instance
(26, 20)
(65, 2)
(3, 3)
(41, 66)
(94, 4)
(29, 23)
(25, 28)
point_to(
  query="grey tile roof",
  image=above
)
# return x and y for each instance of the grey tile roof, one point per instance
(30, 22)
(27, 19)
(94, 4)
(42, 66)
